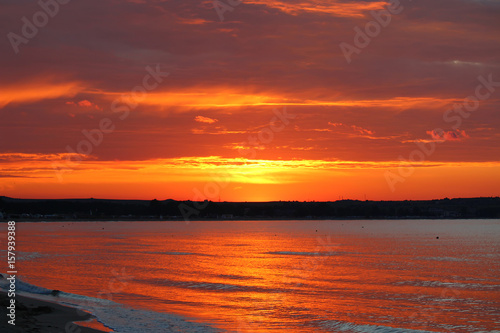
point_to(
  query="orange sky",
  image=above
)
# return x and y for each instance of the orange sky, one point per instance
(166, 100)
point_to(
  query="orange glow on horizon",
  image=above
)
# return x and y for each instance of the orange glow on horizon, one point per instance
(239, 179)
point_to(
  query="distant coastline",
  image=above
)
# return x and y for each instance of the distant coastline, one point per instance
(172, 210)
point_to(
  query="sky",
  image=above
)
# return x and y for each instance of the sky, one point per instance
(250, 100)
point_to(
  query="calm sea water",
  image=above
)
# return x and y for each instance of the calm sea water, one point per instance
(272, 276)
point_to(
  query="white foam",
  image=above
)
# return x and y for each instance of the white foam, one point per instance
(118, 317)
(23, 286)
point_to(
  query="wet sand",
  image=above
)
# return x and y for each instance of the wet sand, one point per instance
(33, 315)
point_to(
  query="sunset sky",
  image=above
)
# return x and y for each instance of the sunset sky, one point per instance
(260, 102)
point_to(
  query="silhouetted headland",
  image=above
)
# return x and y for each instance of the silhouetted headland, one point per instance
(144, 210)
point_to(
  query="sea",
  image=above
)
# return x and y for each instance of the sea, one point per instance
(356, 276)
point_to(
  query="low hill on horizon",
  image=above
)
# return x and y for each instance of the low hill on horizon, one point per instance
(114, 209)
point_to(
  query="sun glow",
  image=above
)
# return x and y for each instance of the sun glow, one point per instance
(235, 179)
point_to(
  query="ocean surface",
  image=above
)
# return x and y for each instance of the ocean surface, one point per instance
(397, 276)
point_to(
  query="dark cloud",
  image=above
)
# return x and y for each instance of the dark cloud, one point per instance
(433, 49)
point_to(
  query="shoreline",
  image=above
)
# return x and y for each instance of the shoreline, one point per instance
(34, 315)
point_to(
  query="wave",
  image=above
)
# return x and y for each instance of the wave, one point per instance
(24, 286)
(213, 286)
(179, 253)
(118, 317)
(22, 256)
(315, 254)
(341, 326)
(445, 259)
(237, 277)
(450, 285)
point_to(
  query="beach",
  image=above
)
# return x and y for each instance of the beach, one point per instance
(33, 315)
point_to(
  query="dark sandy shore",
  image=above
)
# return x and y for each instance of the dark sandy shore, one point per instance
(35, 316)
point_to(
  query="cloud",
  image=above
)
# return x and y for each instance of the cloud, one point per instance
(38, 157)
(202, 119)
(37, 90)
(456, 135)
(362, 130)
(355, 128)
(85, 103)
(331, 7)
(223, 97)
(265, 54)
